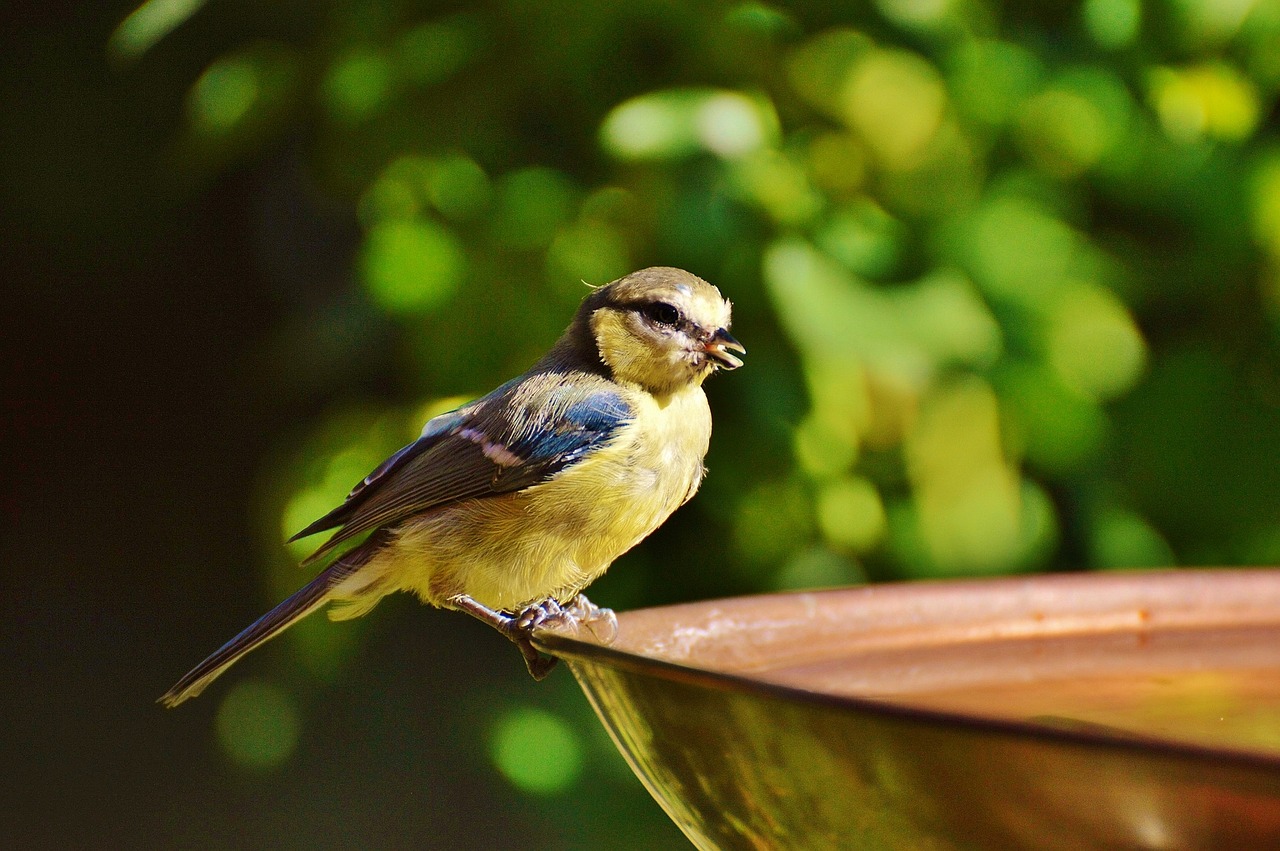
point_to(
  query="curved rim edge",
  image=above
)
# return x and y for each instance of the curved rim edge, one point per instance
(573, 649)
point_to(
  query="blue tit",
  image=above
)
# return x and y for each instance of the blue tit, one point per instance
(508, 507)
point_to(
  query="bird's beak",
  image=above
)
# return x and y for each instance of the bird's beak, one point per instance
(719, 347)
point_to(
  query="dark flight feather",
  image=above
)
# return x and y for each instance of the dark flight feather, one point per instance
(297, 606)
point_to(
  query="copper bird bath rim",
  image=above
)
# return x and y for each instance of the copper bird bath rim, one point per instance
(575, 648)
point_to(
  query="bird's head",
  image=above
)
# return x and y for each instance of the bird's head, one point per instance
(662, 328)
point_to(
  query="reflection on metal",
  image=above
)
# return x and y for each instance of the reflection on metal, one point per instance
(1081, 711)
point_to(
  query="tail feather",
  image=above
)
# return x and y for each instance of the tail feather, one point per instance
(310, 597)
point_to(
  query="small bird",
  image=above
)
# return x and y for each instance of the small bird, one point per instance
(508, 507)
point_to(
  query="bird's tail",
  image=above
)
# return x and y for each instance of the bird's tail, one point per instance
(302, 603)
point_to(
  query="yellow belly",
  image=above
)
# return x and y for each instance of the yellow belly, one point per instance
(553, 539)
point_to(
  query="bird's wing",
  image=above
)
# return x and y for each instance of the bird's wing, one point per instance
(436, 429)
(521, 434)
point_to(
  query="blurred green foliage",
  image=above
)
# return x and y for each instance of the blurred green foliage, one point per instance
(1009, 274)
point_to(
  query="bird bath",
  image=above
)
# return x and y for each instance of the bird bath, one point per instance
(1071, 711)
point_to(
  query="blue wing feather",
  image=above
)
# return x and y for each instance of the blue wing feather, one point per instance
(520, 435)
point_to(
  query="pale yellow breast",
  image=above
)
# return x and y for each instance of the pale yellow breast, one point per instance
(555, 538)
(628, 488)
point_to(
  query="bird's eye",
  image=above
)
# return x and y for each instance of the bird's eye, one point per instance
(661, 313)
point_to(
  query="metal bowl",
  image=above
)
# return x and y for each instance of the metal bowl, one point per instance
(1071, 711)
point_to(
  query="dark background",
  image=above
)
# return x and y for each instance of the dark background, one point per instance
(1007, 274)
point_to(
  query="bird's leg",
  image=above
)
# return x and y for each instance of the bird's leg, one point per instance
(599, 621)
(518, 629)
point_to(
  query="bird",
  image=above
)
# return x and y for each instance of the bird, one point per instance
(509, 506)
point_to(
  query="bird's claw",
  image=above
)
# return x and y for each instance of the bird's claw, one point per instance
(579, 612)
(599, 621)
(546, 613)
(539, 666)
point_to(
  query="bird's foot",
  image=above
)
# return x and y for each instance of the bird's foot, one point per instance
(519, 628)
(599, 621)
(547, 613)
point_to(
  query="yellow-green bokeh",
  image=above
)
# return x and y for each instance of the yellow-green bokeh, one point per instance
(258, 725)
(537, 751)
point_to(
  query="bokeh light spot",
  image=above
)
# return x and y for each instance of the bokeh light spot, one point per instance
(779, 184)
(903, 334)
(677, 122)
(357, 86)
(730, 125)
(865, 238)
(224, 94)
(1123, 539)
(536, 751)
(759, 18)
(149, 23)
(921, 14)
(434, 51)
(531, 204)
(1211, 100)
(819, 68)
(824, 447)
(851, 514)
(1112, 23)
(1266, 203)
(411, 266)
(948, 317)
(257, 725)
(1060, 428)
(1039, 533)
(389, 197)
(1207, 24)
(454, 184)
(967, 495)
(895, 100)
(1094, 344)
(990, 79)
(587, 251)
(642, 128)
(1063, 132)
(458, 187)
(1021, 253)
(302, 508)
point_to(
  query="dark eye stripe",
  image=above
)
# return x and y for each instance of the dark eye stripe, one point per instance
(661, 313)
